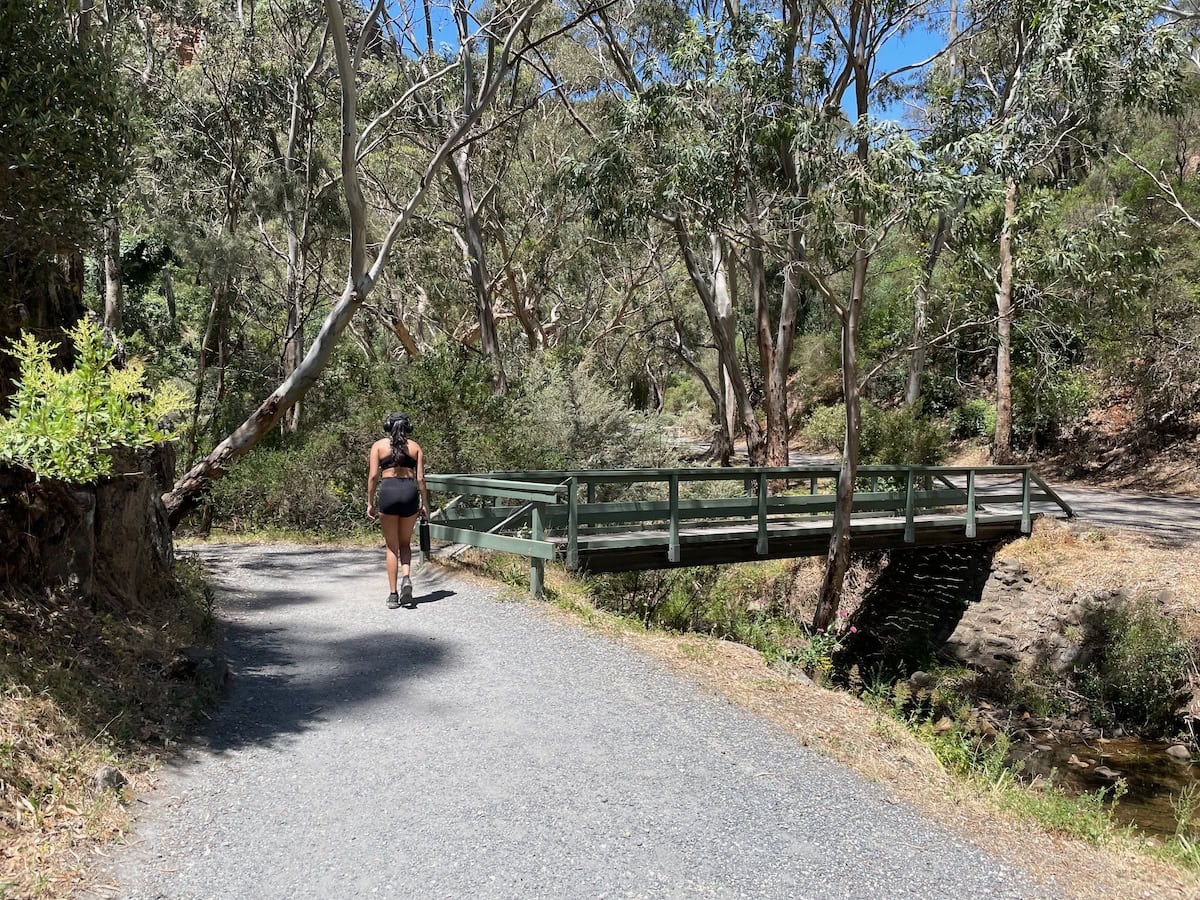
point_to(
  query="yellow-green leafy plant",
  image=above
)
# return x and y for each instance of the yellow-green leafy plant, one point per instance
(65, 423)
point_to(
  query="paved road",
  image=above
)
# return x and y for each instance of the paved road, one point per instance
(473, 748)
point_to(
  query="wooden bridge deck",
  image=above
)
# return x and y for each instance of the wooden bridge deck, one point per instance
(617, 520)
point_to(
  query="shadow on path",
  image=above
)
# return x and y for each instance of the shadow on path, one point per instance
(431, 597)
(295, 666)
(284, 685)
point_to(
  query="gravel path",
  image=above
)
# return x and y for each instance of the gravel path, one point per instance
(473, 747)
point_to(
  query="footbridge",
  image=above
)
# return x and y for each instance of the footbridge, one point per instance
(621, 520)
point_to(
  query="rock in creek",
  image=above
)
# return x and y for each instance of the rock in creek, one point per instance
(1179, 752)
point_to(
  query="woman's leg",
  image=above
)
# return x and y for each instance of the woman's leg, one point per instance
(404, 538)
(391, 536)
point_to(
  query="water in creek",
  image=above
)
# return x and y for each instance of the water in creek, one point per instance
(1152, 777)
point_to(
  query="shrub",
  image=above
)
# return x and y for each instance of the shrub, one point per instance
(1141, 665)
(568, 417)
(826, 427)
(64, 424)
(902, 435)
(891, 436)
(974, 419)
(1043, 404)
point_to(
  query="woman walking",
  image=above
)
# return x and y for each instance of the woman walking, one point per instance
(399, 463)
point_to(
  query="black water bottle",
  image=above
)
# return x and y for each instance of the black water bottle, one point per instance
(423, 535)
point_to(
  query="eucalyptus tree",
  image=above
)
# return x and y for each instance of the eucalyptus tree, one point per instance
(367, 257)
(206, 144)
(766, 129)
(295, 180)
(1039, 78)
(63, 120)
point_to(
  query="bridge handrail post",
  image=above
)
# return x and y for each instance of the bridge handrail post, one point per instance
(971, 504)
(910, 532)
(537, 566)
(762, 514)
(1026, 521)
(1053, 495)
(673, 494)
(573, 524)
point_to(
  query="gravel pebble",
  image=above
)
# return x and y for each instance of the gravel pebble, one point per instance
(473, 747)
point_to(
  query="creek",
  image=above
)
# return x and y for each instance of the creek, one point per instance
(1153, 779)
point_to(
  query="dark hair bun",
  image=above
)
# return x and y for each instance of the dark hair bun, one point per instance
(397, 419)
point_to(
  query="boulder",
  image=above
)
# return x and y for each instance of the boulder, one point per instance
(108, 778)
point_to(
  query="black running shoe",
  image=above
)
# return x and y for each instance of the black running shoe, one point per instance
(406, 592)
(393, 600)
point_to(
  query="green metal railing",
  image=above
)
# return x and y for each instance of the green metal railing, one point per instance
(544, 514)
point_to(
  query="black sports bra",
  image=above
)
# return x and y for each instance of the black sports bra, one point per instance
(392, 461)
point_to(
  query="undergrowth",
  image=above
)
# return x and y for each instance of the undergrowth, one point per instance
(81, 688)
(983, 761)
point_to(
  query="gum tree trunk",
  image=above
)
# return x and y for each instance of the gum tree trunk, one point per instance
(114, 291)
(1002, 447)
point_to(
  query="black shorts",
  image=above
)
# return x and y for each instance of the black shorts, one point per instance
(398, 497)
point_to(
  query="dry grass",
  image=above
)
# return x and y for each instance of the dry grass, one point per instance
(368, 537)
(80, 689)
(1072, 562)
(842, 727)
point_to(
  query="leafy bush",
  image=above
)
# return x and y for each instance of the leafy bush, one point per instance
(890, 436)
(316, 485)
(63, 424)
(1043, 404)
(902, 435)
(689, 406)
(1141, 665)
(570, 418)
(826, 427)
(974, 419)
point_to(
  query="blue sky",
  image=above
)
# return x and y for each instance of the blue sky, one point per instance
(918, 44)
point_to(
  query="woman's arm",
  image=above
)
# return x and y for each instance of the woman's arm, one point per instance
(421, 482)
(372, 480)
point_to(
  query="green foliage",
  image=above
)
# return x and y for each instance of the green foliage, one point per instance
(64, 424)
(1044, 402)
(748, 604)
(1087, 816)
(888, 436)
(973, 419)
(570, 417)
(61, 145)
(826, 427)
(965, 754)
(902, 435)
(559, 416)
(689, 405)
(1141, 666)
